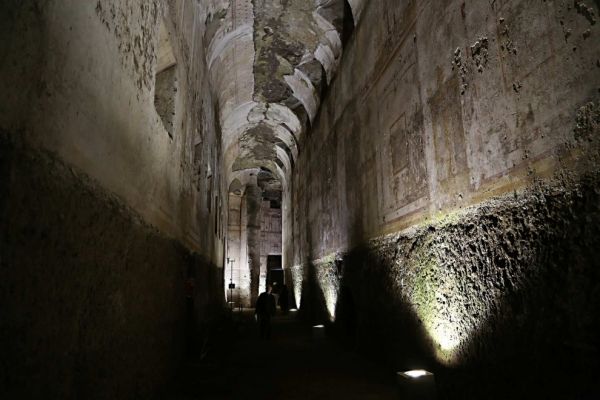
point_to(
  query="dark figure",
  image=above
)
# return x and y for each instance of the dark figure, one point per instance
(284, 299)
(265, 309)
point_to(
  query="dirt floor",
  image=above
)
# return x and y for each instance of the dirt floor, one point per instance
(292, 365)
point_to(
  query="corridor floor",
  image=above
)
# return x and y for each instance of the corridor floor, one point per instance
(292, 365)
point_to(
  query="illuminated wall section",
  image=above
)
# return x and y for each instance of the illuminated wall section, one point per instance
(328, 285)
(478, 285)
(270, 239)
(297, 278)
(237, 270)
(456, 170)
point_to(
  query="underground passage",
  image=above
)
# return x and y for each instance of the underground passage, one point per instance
(299, 199)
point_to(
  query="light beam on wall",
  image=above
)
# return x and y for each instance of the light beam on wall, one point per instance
(331, 302)
(435, 301)
(446, 334)
(435, 288)
(328, 283)
(297, 277)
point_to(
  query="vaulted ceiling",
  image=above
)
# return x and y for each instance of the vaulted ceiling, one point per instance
(269, 62)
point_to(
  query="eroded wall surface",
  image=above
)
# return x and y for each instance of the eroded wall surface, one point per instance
(254, 233)
(444, 210)
(270, 239)
(104, 214)
(243, 247)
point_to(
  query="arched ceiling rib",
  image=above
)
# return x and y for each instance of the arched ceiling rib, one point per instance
(269, 60)
(357, 7)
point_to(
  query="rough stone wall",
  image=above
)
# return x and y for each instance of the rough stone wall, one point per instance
(253, 203)
(254, 233)
(242, 247)
(270, 222)
(87, 71)
(399, 139)
(104, 215)
(445, 203)
(93, 298)
(236, 238)
(270, 239)
(165, 91)
(498, 300)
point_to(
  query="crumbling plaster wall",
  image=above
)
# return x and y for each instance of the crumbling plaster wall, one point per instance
(444, 207)
(236, 241)
(103, 215)
(254, 233)
(242, 249)
(91, 102)
(270, 239)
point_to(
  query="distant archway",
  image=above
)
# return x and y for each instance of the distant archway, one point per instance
(253, 234)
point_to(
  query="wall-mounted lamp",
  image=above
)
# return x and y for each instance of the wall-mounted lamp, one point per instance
(416, 384)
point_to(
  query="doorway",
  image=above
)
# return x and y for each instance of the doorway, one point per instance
(275, 272)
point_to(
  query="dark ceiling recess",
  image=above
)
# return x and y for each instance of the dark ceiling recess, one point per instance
(348, 27)
(271, 187)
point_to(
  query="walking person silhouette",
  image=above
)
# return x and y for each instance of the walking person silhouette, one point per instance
(265, 309)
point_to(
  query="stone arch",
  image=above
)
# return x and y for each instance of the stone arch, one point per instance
(357, 7)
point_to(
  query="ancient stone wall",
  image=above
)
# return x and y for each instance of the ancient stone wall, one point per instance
(496, 299)
(108, 222)
(93, 298)
(444, 207)
(270, 238)
(79, 81)
(254, 233)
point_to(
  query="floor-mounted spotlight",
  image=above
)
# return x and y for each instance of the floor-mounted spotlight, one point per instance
(416, 384)
(318, 332)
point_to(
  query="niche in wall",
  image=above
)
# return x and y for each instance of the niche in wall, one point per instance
(165, 85)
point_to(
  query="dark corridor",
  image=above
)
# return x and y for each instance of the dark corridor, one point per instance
(294, 365)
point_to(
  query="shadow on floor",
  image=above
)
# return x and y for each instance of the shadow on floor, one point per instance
(292, 365)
